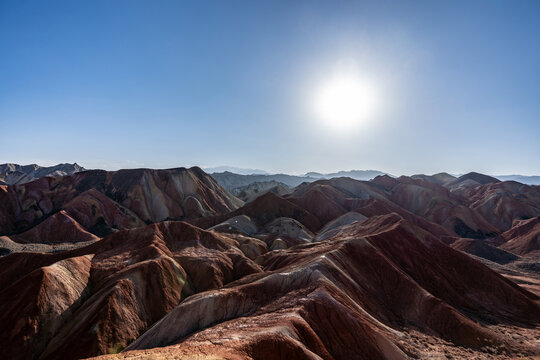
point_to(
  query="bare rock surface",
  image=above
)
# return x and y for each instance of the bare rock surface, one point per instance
(288, 227)
(319, 301)
(136, 277)
(103, 202)
(523, 238)
(426, 267)
(58, 228)
(238, 224)
(333, 227)
(484, 250)
(252, 191)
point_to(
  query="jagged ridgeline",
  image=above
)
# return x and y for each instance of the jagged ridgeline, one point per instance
(169, 264)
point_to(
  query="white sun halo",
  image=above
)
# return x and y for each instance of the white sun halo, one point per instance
(345, 101)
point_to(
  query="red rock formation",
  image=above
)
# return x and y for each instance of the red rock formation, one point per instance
(504, 202)
(288, 227)
(317, 203)
(335, 226)
(523, 238)
(241, 224)
(270, 206)
(338, 269)
(437, 204)
(419, 201)
(484, 250)
(352, 296)
(115, 200)
(36, 306)
(263, 210)
(136, 277)
(481, 209)
(475, 177)
(373, 207)
(313, 196)
(58, 228)
(100, 214)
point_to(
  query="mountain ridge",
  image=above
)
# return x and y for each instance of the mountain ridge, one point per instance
(11, 173)
(168, 263)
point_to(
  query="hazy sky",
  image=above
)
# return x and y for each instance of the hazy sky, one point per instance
(119, 84)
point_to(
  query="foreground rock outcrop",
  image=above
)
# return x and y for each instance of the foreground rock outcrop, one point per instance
(114, 289)
(356, 295)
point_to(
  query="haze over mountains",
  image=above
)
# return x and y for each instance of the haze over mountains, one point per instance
(530, 180)
(294, 180)
(16, 174)
(236, 170)
(168, 263)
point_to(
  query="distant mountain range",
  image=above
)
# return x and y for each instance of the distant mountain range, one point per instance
(529, 180)
(231, 181)
(230, 177)
(234, 182)
(11, 174)
(353, 174)
(236, 170)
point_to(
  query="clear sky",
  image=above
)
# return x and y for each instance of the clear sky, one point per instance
(121, 84)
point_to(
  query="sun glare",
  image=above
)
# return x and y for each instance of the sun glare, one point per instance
(345, 102)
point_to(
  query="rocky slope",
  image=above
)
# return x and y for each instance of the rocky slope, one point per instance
(523, 238)
(114, 289)
(57, 228)
(103, 202)
(319, 301)
(252, 191)
(394, 268)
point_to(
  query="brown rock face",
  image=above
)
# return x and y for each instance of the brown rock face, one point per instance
(37, 305)
(335, 226)
(352, 296)
(523, 238)
(58, 228)
(100, 214)
(265, 209)
(135, 277)
(504, 202)
(337, 269)
(484, 250)
(105, 201)
(290, 228)
(437, 204)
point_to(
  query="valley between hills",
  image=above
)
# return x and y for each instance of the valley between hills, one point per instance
(182, 264)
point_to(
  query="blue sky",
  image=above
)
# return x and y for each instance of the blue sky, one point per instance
(120, 84)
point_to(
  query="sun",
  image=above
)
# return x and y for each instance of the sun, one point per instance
(345, 101)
